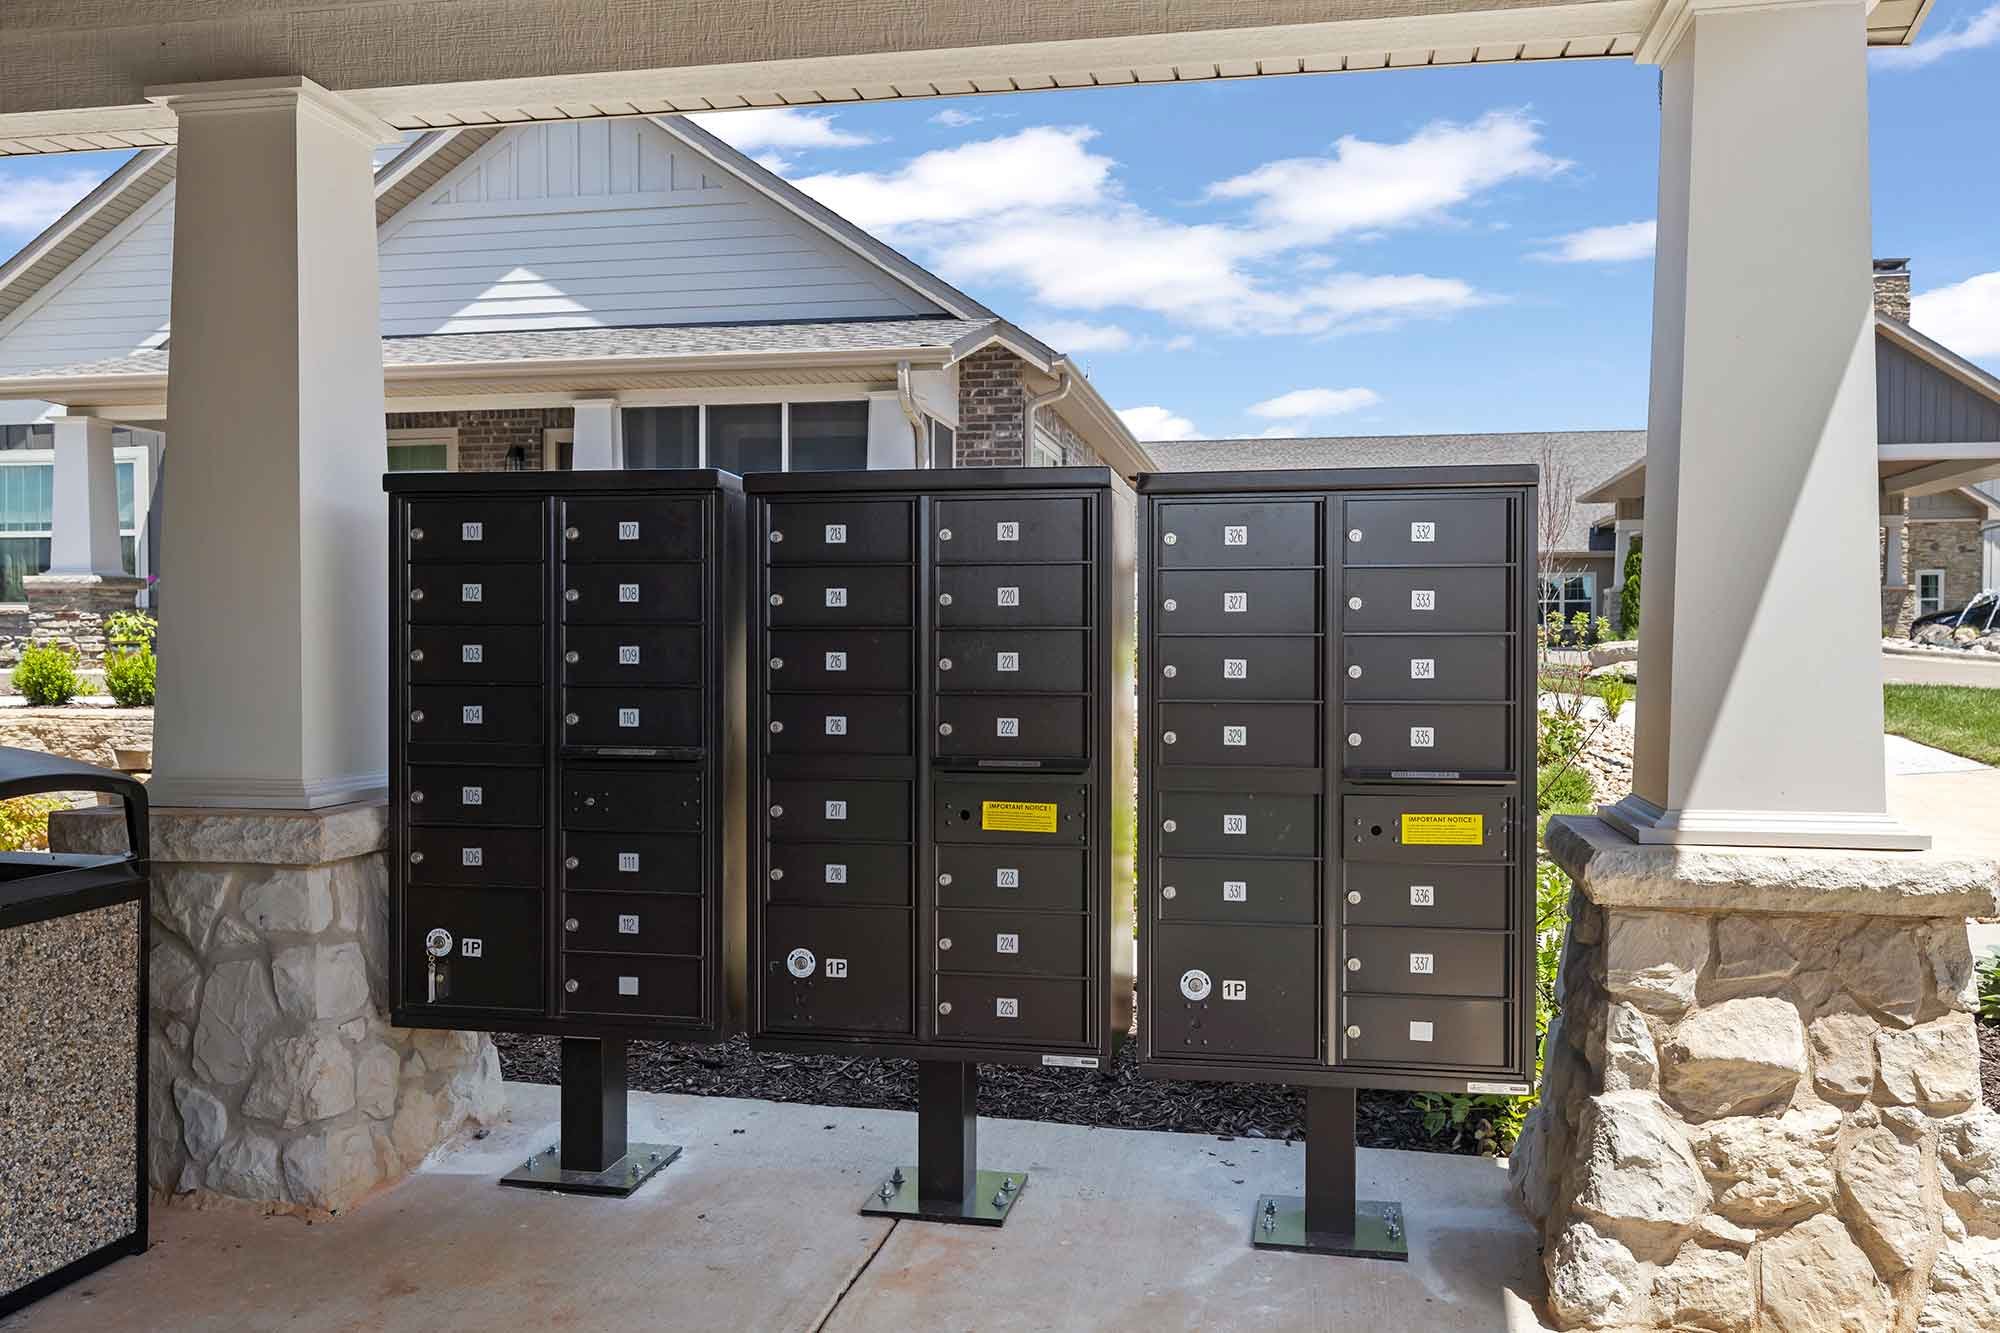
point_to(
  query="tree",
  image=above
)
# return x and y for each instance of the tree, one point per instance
(1628, 593)
(1559, 489)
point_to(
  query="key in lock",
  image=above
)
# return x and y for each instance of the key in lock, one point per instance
(437, 948)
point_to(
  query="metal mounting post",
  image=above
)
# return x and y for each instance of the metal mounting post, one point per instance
(946, 1184)
(593, 1156)
(1329, 1219)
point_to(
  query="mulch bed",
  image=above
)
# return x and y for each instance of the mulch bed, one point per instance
(1115, 1098)
(1989, 1063)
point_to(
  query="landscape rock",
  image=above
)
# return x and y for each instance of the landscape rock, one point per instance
(332, 1171)
(1881, 966)
(191, 900)
(1965, 1288)
(1629, 1060)
(1954, 971)
(321, 982)
(237, 1010)
(174, 979)
(1934, 1066)
(1706, 1289)
(1969, 1169)
(1815, 1279)
(1768, 1171)
(1595, 1281)
(1652, 959)
(1639, 1181)
(1750, 955)
(1843, 1054)
(1614, 650)
(1739, 1056)
(204, 1119)
(1883, 1200)
(302, 1079)
(375, 1081)
(290, 900)
(246, 1168)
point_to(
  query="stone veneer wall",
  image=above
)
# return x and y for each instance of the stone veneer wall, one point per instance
(275, 1076)
(71, 609)
(85, 732)
(1765, 1115)
(485, 437)
(992, 407)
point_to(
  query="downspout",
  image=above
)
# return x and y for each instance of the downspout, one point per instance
(907, 400)
(1065, 381)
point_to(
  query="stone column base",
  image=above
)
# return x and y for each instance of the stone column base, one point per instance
(71, 609)
(274, 1074)
(1760, 1103)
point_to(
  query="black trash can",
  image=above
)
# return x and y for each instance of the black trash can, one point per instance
(73, 931)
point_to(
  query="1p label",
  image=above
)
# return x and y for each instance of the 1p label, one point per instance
(1235, 990)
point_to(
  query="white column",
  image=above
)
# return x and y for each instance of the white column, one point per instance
(1895, 572)
(596, 437)
(1760, 696)
(83, 531)
(273, 656)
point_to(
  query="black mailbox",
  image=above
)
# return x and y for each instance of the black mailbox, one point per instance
(566, 832)
(1335, 829)
(944, 747)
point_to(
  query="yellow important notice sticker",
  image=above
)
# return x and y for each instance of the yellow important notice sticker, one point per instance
(1444, 830)
(1017, 816)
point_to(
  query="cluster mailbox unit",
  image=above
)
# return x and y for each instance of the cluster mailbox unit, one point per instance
(1337, 814)
(566, 825)
(942, 748)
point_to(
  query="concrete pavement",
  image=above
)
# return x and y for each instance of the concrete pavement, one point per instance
(1940, 669)
(755, 1228)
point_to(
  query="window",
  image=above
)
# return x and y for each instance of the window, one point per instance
(1563, 595)
(944, 445)
(1047, 451)
(828, 436)
(27, 504)
(662, 436)
(1930, 591)
(423, 451)
(558, 449)
(747, 437)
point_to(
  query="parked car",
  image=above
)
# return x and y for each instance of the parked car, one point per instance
(1981, 614)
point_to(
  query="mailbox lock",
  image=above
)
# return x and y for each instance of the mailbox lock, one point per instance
(944, 728)
(776, 535)
(571, 533)
(1354, 673)
(570, 985)
(1170, 539)
(777, 727)
(1169, 825)
(777, 873)
(944, 534)
(1171, 604)
(572, 656)
(1354, 603)
(1354, 738)
(944, 664)
(416, 534)
(1170, 671)
(944, 599)
(1354, 964)
(416, 594)
(1353, 1031)
(777, 599)
(1353, 895)
(1170, 893)
(570, 718)
(1354, 534)
(777, 664)
(416, 798)
(416, 654)
(777, 812)
(1170, 738)
(944, 944)
(945, 1007)
(571, 863)
(416, 858)
(571, 594)
(570, 925)
(944, 880)
(416, 715)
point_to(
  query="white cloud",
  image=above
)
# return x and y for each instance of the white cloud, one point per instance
(1301, 404)
(1071, 335)
(775, 163)
(758, 128)
(952, 118)
(1284, 430)
(1976, 33)
(1615, 244)
(1964, 316)
(1158, 423)
(1042, 168)
(30, 203)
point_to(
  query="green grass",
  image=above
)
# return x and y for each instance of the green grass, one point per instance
(1963, 719)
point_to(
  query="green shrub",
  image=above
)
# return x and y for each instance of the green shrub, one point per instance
(131, 629)
(132, 677)
(1628, 593)
(24, 823)
(1558, 737)
(1579, 628)
(47, 675)
(1989, 989)
(1563, 785)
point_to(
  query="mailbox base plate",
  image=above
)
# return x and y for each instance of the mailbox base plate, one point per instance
(978, 1209)
(641, 1162)
(1378, 1231)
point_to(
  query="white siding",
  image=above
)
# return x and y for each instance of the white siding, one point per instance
(112, 303)
(612, 223)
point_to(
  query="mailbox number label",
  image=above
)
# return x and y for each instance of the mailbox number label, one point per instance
(1195, 984)
(1423, 895)
(1423, 599)
(1421, 965)
(836, 597)
(836, 873)
(628, 532)
(1235, 536)
(628, 717)
(1420, 1031)
(1006, 877)
(1235, 890)
(1423, 668)
(473, 715)
(1235, 824)
(1235, 602)
(1236, 735)
(628, 924)
(1007, 728)
(1235, 990)
(472, 856)
(472, 948)
(472, 532)
(836, 534)
(836, 661)
(471, 592)
(836, 809)
(1423, 532)
(1006, 1007)
(1423, 738)
(628, 863)
(801, 962)
(836, 724)
(472, 652)
(628, 654)
(1003, 943)
(1009, 596)
(472, 796)
(1236, 668)
(628, 985)
(628, 592)
(1007, 662)
(1007, 532)
(836, 969)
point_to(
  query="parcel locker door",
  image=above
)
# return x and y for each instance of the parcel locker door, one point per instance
(504, 714)
(1055, 661)
(822, 724)
(1237, 824)
(1049, 813)
(631, 655)
(837, 969)
(1400, 960)
(857, 531)
(1043, 879)
(475, 594)
(474, 531)
(1011, 726)
(1011, 529)
(1210, 667)
(1016, 1010)
(839, 810)
(838, 874)
(838, 659)
(632, 527)
(612, 594)
(1415, 667)
(1428, 530)
(1221, 991)
(1048, 944)
(1260, 601)
(464, 795)
(1239, 891)
(637, 800)
(1416, 1030)
(476, 655)
(1456, 825)
(632, 862)
(1384, 894)
(613, 716)
(1428, 738)
(481, 856)
(667, 923)
(631, 986)
(1235, 534)
(492, 943)
(1267, 735)
(839, 595)
(1012, 595)
(1427, 600)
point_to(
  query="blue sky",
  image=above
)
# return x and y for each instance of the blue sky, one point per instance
(1426, 251)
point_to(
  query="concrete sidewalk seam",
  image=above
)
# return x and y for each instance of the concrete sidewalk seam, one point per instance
(833, 1307)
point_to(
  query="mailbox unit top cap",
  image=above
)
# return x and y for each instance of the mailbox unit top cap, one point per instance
(935, 479)
(1339, 479)
(543, 483)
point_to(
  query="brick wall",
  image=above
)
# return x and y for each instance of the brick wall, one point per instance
(1951, 545)
(486, 438)
(992, 406)
(1075, 453)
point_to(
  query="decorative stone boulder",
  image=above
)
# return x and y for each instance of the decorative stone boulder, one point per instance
(1614, 650)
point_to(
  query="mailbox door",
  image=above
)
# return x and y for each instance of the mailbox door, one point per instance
(1011, 726)
(838, 874)
(1458, 825)
(1237, 824)
(1237, 668)
(647, 802)
(1261, 601)
(1427, 600)
(1231, 991)
(626, 528)
(661, 923)
(618, 716)
(1450, 738)
(620, 594)
(839, 810)
(495, 953)
(1025, 660)
(1413, 1030)
(1400, 960)
(632, 862)
(504, 714)
(476, 856)
(1428, 530)
(1006, 530)
(631, 655)
(1238, 534)
(631, 985)
(1266, 735)
(1239, 891)
(839, 531)
(1416, 667)
(838, 724)
(476, 655)
(1011, 941)
(1012, 595)
(844, 659)
(1024, 1010)
(1033, 879)
(1053, 813)
(831, 595)
(1381, 894)
(475, 531)
(465, 795)
(841, 969)
(475, 594)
